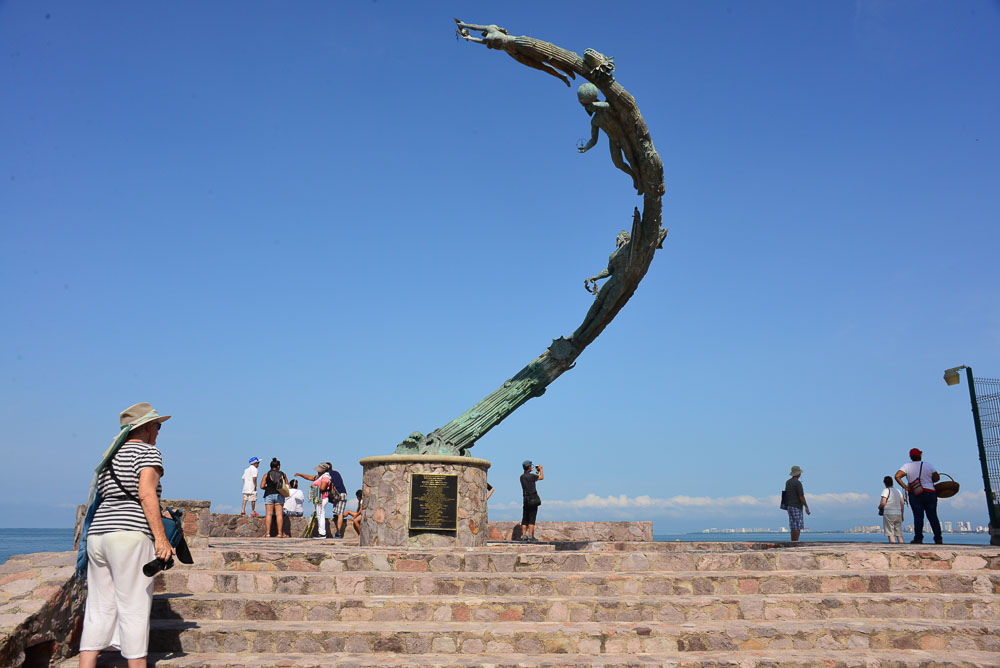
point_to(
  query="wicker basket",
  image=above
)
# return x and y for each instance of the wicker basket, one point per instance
(946, 488)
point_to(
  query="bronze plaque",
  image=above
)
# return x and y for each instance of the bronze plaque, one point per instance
(434, 501)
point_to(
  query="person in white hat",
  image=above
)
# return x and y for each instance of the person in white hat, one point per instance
(126, 533)
(250, 487)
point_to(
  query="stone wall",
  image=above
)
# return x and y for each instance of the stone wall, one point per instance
(245, 526)
(197, 518)
(592, 532)
(41, 608)
(237, 526)
(200, 523)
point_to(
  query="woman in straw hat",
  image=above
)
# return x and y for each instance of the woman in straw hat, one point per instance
(123, 536)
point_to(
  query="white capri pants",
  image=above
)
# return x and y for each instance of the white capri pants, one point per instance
(119, 596)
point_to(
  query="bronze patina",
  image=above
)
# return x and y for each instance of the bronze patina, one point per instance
(632, 152)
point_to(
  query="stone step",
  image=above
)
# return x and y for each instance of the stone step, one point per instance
(720, 583)
(337, 544)
(334, 608)
(876, 543)
(691, 546)
(894, 658)
(254, 637)
(546, 558)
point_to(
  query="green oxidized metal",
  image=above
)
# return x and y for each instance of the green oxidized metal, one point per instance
(632, 152)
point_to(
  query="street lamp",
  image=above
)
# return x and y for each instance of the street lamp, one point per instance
(952, 378)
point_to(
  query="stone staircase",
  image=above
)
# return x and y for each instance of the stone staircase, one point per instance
(293, 602)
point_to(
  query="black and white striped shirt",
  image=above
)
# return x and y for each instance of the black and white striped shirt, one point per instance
(117, 512)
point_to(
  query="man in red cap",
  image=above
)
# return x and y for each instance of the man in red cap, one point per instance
(920, 478)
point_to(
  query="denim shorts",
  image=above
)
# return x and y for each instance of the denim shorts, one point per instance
(274, 499)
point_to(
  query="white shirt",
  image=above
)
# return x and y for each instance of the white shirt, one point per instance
(293, 504)
(893, 499)
(248, 485)
(911, 469)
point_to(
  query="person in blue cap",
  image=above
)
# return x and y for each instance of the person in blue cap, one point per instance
(250, 487)
(531, 499)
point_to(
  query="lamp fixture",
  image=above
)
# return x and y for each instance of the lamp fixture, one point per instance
(951, 375)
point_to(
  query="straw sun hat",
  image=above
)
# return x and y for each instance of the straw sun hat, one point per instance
(139, 414)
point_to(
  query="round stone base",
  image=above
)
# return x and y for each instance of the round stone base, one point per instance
(385, 514)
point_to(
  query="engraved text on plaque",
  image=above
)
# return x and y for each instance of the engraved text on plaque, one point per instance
(434, 501)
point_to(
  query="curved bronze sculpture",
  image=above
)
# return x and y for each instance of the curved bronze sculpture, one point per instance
(619, 118)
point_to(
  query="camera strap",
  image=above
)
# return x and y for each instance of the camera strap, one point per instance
(114, 476)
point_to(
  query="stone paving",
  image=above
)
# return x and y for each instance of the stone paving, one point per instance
(292, 602)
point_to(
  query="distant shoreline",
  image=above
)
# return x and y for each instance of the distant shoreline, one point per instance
(785, 533)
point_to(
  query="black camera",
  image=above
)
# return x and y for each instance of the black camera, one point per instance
(157, 565)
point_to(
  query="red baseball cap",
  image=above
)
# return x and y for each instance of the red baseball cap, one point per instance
(916, 453)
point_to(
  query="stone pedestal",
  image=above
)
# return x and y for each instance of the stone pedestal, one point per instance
(385, 515)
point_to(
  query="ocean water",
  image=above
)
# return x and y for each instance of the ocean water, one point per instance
(26, 541)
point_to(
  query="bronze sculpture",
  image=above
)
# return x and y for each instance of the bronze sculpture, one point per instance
(629, 141)
(603, 118)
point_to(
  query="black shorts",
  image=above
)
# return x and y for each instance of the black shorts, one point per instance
(528, 515)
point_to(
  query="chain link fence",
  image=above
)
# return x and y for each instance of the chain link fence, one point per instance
(988, 400)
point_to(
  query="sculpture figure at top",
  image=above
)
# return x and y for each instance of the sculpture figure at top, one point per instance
(603, 118)
(495, 37)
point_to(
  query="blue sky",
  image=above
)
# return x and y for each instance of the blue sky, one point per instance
(309, 231)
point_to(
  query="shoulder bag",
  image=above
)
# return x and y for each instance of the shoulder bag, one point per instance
(916, 487)
(172, 525)
(277, 478)
(784, 500)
